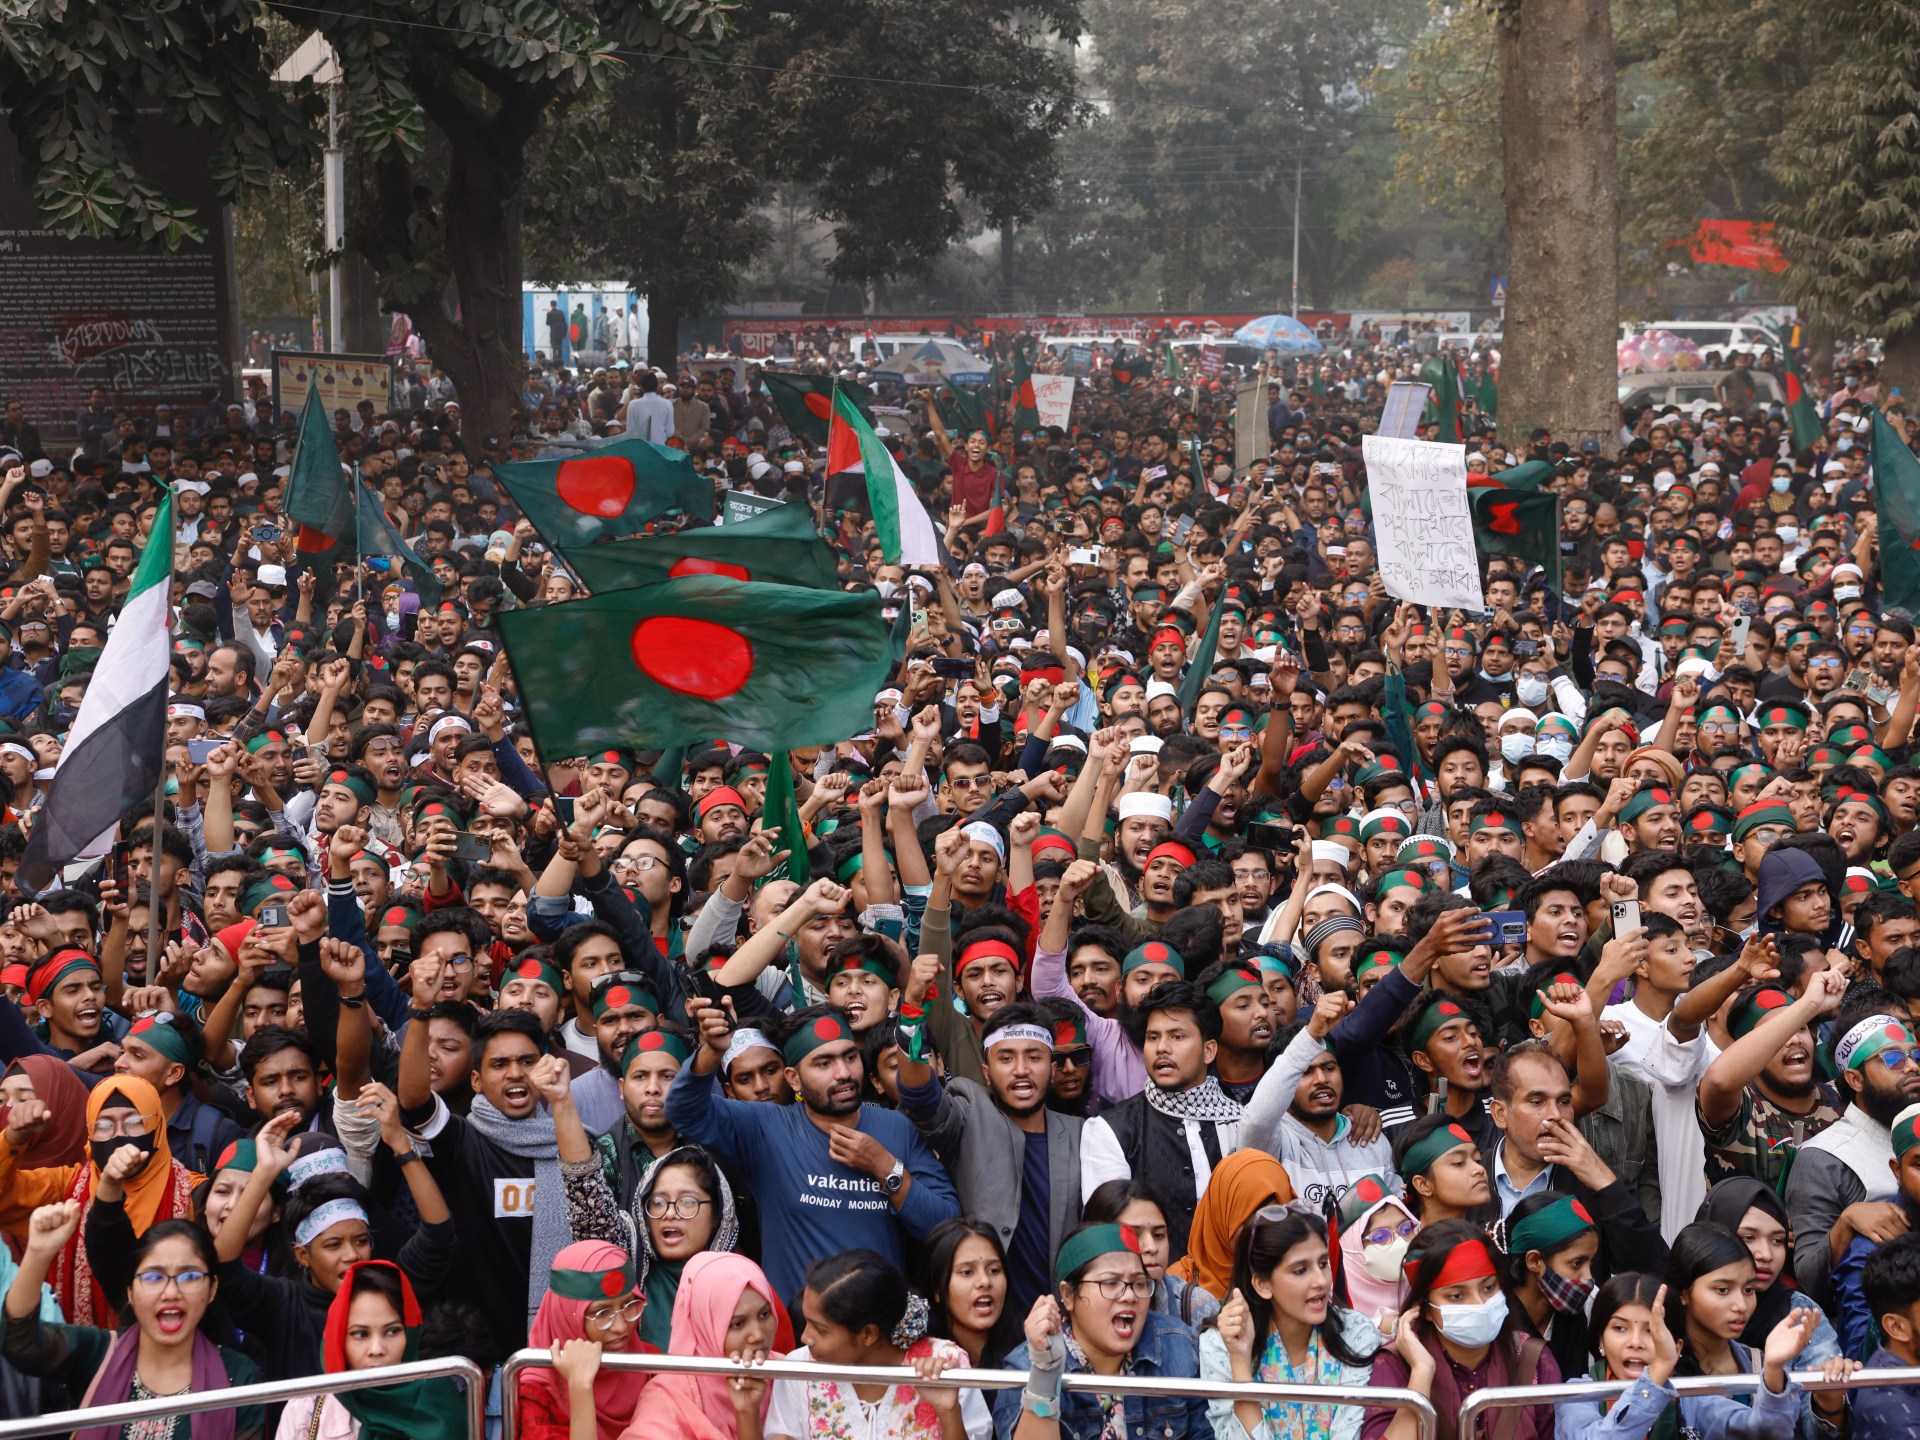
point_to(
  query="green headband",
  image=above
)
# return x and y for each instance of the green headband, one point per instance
(1230, 983)
(849, 867)
(1378, 958)
(822, 1030)
(1737, 772)
(1719, 711)
(1420, 1157)
(591, 1285)
(1549, 1226)
(1743, 1020)
(158, 1032)
(1154, 952)
(1789, 715)
(1644, 800)
(622, 996)
(242, 1155)
(533, 968)
(871, 964)
(1906, 1131)
(264, 739)
(1438, 1012)
(277, 887)
(649, 1042)
(1089, 1243)
(361, 790)
(1770, 812)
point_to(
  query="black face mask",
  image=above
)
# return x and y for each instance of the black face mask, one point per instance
(103, 1150)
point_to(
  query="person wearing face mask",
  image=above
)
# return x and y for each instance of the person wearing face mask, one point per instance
(1556, 735)
(1551, 1242)
(1458, 1336)
(123, 1113)
(1375, 1229)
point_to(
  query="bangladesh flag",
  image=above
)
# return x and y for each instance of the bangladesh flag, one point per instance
(1125, 368)
(906, 532)
(1443, 406)
(1803, 417)
(113, 754)
(606, 492)
(1896, 500)
(1530, 476)
(766, 666)
(1026, 409)
(805, 402)
(318, 497)
(779, 546)
(1169, 361)
(781, 811)
(1524, 524)
(961, 411)
(997, 511)
(1201, 666)
(379, 536)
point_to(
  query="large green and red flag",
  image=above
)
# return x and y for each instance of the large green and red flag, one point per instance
(678, 663)
(1125, 368)
(779, 546)
(1521, 523)
(997, 511)
(1026, 408)
(1896, 501)
(1530, 476)
(805, 402)
(1803, 416)
(607, 492)
(377, 535)
(906, 532)
(319, 498)
(114, 753)
(1443, 406)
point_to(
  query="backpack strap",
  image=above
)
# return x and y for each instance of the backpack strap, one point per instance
(1525, 1367)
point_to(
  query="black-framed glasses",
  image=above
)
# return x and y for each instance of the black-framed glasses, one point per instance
(1073, 1059)
(685, 1206)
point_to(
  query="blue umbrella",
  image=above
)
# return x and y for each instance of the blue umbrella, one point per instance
(1278, 332)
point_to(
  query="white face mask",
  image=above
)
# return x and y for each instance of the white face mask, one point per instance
(1560, 747)
(1473, 1325)
(1516, 745)
(885, 587)
(1846, 592)
(1530, 689)
(1788, 534)
(1385, 1263)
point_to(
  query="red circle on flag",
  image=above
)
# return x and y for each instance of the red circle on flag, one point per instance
(694, 565)
(616, 998)
(596, 484)
(818, 404)
(1793, 389)
(613, 1283)
(692, 657)
(653, 1040)
(826, 1028)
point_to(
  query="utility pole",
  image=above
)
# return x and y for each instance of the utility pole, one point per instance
(1297, 155)
(334, 177)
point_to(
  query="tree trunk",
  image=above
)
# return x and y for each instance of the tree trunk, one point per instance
(663, 334)
(1561, 182)
(1900, 367)
(1006, 264)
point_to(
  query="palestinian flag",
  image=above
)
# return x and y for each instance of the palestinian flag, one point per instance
(766, 666)
(779, 546)
(1524, 524)
(1803, 417)
(1443, 406)
(112, 759)
(1896, 500)
(805, 402)
(1026, 409)
(318, 496)
(906, 532)
(377, 535)
(781, 811)
(607, 492)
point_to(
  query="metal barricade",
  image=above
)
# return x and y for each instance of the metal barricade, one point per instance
(1365, 1395)
(1504, 1396)
(471, 1377)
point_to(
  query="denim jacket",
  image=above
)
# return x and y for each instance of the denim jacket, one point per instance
(1165, 1347)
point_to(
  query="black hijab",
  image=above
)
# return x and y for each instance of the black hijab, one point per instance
(1727, 1204)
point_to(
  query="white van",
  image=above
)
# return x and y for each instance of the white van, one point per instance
(1719, 340)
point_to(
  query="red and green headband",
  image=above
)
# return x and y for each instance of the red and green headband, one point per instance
(589, 1286)
(655, 1042)
(1230, 983)
(47, 976)
(1421, 1155)
(821, 1030)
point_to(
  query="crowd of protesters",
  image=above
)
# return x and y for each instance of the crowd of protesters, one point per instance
(1216, 968)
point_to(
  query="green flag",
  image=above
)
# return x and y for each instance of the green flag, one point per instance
(1524, 524)
(780, 810)
(1443, 406)
(607, 491)
(805, 402)
(1198, 669)
(766, 666)
(962, 411)
(317, 496)
(378, 536)
(1803, 417)
(778, 545)
(1026, 409)
(1530, 476)
(1169, 361)
(1486, 395)
(1896, 501)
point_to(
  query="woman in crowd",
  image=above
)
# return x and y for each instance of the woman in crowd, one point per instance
(162, 1352)
(1550, 1241)
(1241, 1185)
(1280, 1325)
(592, 1295)
(725, 1307)
(1754, 1213)
(374, 1321)
(1133, 1203)
(1098, 1322)
(963, 1274)
(1440, 1162)
(1375, 1231)
(1458, 1335)
(1628, 1333)
(51, 1081)
(858, 1311)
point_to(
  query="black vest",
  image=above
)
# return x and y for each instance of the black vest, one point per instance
(1156, 1149)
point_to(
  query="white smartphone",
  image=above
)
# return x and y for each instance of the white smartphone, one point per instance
(1626, 917)
(1738, 634)
(1085, 555)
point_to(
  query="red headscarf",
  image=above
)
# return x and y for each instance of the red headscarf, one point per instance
(615, 1393)
(64, 1140)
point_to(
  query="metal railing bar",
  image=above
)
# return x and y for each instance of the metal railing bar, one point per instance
(273, 1392)
(1500, 1397)
(1183, 1388)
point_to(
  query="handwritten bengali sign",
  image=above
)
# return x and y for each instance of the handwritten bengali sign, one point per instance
(1423, 532)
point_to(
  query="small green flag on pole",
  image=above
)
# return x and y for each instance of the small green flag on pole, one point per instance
(1201, 666)
(1803, 417)
(1896, 500)
(1026, 408)
(782, 811)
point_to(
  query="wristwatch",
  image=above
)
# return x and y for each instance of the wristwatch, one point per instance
(896, 1177)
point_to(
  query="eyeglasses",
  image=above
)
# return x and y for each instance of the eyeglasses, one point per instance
(154, 1281)
(1897, 1059)
(970, 782)
(642, 863)
(1072, 1059)
(459, 962)
(1118, 1287)
(629, 1311)
(129, 1123)
(685, 1206)
(1259, 874)
(386, 745)
(1824, 662)
(1381, 1235)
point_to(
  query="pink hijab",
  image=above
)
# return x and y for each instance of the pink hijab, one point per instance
(558, 1318)
(697, 1407)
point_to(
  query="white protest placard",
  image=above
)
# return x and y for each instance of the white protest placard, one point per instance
(1053, 398)
(1423, 532)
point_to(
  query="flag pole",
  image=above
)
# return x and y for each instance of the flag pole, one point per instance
(154, 958)
(359, 565)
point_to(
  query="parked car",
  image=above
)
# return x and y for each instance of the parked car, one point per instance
(1687, 388)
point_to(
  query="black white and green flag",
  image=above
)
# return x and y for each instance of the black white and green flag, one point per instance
(112, 756)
